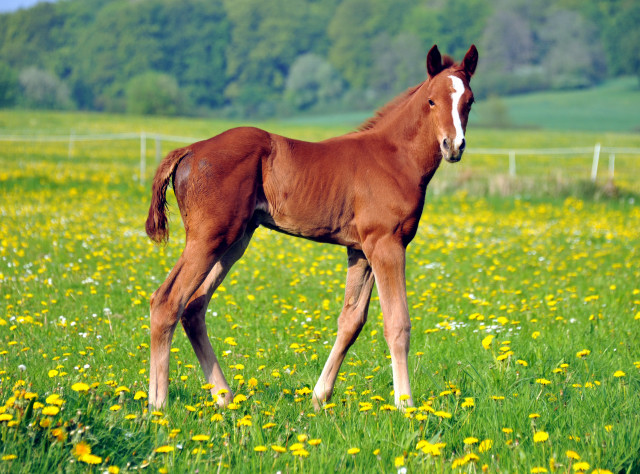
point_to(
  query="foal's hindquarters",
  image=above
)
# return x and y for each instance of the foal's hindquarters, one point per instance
(215, 183)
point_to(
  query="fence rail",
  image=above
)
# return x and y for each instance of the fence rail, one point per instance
(72, 138)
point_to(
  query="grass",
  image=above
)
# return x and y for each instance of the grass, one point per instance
(553, 280)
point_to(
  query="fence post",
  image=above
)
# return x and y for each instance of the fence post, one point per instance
(158, 149)
(71, 137)
(594, 166)
(612, 160)
(143, 156)
(512, 163)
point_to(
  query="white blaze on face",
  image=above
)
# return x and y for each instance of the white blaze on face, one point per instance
(458, 90)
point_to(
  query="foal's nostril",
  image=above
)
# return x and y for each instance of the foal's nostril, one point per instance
(445, 144)
(463, 144)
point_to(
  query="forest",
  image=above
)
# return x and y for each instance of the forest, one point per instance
(267, 58)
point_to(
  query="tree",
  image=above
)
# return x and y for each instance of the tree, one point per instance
(574, 56)
(312, 81)
(42, 89)
(154, 93)
(398, 63)
(507, 42)
(8, 85)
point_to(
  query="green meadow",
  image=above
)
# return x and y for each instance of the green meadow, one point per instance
(524, 296)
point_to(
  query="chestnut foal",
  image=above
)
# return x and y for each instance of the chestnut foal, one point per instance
(364, 190)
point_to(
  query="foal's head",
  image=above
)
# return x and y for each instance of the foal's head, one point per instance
(448, 100)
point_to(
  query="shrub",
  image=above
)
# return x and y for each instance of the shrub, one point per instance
(43, 90)
(154, 93)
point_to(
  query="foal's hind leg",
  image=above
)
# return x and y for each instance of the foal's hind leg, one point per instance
(350, 322)
(168, 303)
(193, 318)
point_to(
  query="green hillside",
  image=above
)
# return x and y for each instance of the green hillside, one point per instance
(610, 107)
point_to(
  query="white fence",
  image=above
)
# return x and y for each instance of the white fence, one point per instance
(144, 137)
(596, 150)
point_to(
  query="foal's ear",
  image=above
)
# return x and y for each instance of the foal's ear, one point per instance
(470, 61)
(434, 61)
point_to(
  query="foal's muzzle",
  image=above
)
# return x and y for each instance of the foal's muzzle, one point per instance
(450, 151)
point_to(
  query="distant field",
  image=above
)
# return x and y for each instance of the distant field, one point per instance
(479, 174)
(611, 107)
(525, 319)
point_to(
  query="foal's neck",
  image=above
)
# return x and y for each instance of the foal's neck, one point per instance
(410, 131)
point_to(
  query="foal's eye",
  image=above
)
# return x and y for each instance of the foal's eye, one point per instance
(431, 103)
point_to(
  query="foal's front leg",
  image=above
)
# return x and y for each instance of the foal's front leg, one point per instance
(387, 257)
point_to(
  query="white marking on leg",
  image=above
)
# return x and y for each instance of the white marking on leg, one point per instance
(458, 87)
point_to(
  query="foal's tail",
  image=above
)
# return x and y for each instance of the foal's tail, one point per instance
(157, 225)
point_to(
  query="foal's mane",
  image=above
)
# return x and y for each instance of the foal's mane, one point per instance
(447, 63)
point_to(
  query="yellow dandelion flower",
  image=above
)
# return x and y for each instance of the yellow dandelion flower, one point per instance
(54, 399)
(239, 398)
(217, 417)
(278, 449)
(80, 387)
(485, 445)
(543, 381)
(540, 437)
(9, 457)
(572, 455)
(470, 440)
(315, 441)
(301, 452)
(535, 470)
(398, 461)
(260, 449)
(50, 410)
(244, 422)
(581, 466)
(115, 407)
(165, 449)
(353, 451)
(140, 395)
(91, 459)
(583, 353)
(200, 438)
(619, 373)
(6, 417)
(266, 426)
(113, 470)
(486, 342)
(81, 449)
(296, 446)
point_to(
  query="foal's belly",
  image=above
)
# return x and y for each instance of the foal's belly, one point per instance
(311, 228)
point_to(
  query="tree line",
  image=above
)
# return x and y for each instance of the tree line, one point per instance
(257, 57)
